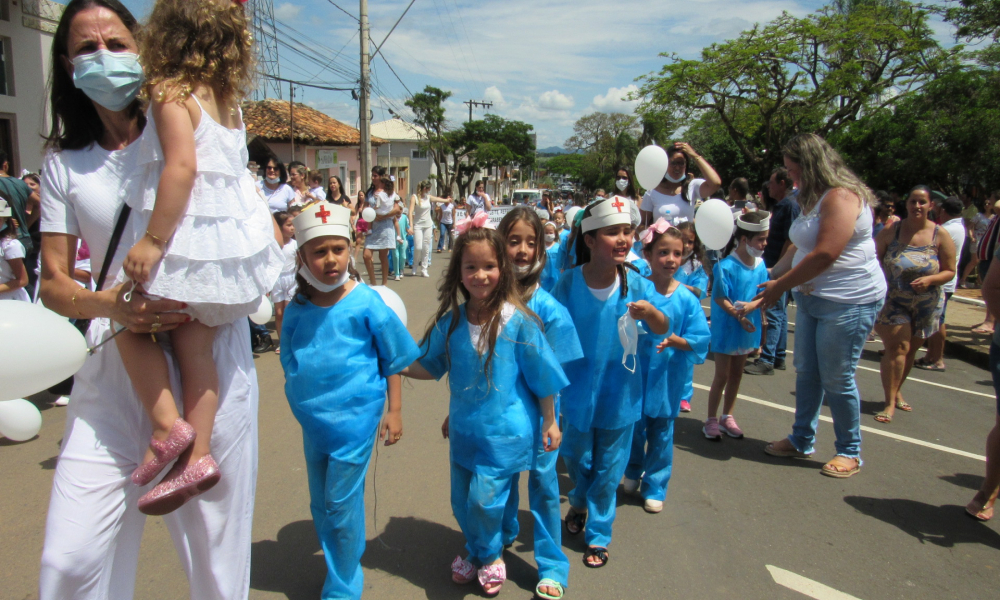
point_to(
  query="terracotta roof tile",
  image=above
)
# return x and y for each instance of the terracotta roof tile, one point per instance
(269, 120)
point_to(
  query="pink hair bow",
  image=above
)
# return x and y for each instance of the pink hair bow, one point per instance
(482, 219)
(660, 226)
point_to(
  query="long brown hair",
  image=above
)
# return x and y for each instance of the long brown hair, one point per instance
(451, 287)
(188, 43)
(527, 215)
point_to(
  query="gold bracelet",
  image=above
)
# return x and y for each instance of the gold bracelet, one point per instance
(160, 241)
(73, 300)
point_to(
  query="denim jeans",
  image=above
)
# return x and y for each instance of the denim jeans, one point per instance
(829, 337)
(445, 237)
(776, 340)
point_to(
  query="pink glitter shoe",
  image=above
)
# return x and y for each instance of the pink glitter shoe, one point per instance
(180, 485)
(181, 436)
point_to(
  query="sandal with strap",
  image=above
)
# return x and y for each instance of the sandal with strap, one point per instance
(600, 552)
(575, 521)
(978, 510)
(462, 571)
(903, 406)
(492, 574)
(883, 417)
(551, 583)
(831, 469)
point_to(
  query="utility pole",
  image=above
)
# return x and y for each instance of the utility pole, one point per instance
(472, 103)
(365, 120)
(291, 118)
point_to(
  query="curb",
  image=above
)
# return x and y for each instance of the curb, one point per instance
(968, 354)
(972, 301)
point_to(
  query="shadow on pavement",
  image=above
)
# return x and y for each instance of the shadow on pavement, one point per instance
(689, 438)
(966, 480)
(943, 526)
(291, 565)
(421, 552)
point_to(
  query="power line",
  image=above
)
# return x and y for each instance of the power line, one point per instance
(342, 10)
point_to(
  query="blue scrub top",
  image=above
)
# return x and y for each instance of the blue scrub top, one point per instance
(643, 265)
(736, 282)
(551, 272)
(698, 278)
(336, 360)
(668, 374)
(493, 425)
(602, 393)
(559, 329)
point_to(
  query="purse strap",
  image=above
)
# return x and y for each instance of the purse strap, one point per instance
(116, 237)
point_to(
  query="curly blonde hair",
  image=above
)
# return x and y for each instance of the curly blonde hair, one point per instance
(188, 43)
(822, 169)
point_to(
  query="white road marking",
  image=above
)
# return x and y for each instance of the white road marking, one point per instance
(865, 428)
(806, 587)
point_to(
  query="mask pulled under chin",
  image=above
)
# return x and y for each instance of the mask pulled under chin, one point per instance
(754, 252)
(525, 271)
(319, 285)
(628, 334)
(273, 180)
(672, 180)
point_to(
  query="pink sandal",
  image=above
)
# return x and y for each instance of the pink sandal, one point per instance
(181, 436)
(462, 571)
(492, 574)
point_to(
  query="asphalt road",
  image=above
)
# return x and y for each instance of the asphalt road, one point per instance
(733, 515)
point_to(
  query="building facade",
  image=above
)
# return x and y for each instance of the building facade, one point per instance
(403, 156)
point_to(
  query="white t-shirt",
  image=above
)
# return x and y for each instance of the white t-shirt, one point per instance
(447, 213)
(422, 213)
(956, 230)
(279, 199)
(318, 192)
(476, 203)
(10, 249)
(603, 294)
(476, 331)
(672, 207)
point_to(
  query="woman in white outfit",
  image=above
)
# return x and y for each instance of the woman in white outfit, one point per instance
(422, 225)
(94, 530)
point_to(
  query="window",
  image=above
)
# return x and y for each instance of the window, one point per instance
(350, 183)
(8, 141)
(4, 10)
(418, 154)
(6, 68)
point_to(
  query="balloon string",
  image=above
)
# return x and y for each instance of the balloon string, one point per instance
(113, 336)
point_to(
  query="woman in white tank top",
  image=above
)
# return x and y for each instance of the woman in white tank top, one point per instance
(838, 288)
(422, 225)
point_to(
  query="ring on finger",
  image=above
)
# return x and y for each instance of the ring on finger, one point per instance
(156, 324)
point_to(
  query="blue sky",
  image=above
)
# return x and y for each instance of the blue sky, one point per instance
(545, 62)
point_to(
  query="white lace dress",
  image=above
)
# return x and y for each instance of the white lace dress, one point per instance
(11, 249)
(221, 259)
(285, 288)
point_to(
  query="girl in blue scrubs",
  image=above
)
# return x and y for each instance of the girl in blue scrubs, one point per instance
(553, 251)
(522, 232)
(342, 350)
(502, 377)
(667, 365)
(604, 398)
(694, 277)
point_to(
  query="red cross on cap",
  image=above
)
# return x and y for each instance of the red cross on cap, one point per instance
(323, 213)
(618, 203)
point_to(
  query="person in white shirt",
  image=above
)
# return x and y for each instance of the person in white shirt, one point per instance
(948, 214)
(277, 193)
(678, 193)
(478, 201)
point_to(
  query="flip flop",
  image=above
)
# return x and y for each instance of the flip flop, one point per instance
(928, 367)
(981, 330)
(600, 552)
(883, 417)
(903, 406)
(978, 511)
(830, 471)
(578, 520)
(552, 584)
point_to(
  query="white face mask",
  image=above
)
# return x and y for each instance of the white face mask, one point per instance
(687, 256)
(273, 180)
(621, 184)
(628, 335)
(550, 237)
(521, 271)
(671, 179)
(319, 285)
(754, 252)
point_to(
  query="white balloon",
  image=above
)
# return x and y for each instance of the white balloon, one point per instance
(263, 313)
(19, 420)
(650, 166)
(368, 214)
(42, 349)
(714, 224)
(393, 301)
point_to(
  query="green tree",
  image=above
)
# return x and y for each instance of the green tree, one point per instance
(975, 19)
(794, 75)
(608, 140)
(428, 113)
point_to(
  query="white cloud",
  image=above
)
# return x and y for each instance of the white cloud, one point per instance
(553, 100)
(287, 11)
(492, 94)
(614, 100)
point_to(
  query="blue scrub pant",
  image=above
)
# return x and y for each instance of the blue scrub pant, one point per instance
(478, 502)
(337, 502)
(543, 497)
(652, 457)
(596, 460)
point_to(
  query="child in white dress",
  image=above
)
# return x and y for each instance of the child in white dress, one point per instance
(197, 226)
(13, 274)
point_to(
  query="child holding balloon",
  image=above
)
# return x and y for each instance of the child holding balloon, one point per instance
(502, 375)
(342, 350)
(667, 364)
(736, 318)
(199, 231)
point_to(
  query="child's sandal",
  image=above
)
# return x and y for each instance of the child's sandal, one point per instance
(492, 575)
(549, 583)
(575, 521)
(462, 571)
(600, 552)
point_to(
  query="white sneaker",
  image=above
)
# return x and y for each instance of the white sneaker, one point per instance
(61, 401)
(630, 486)
(413, 272)
(399, 277)
(424, 273)
(653, 506)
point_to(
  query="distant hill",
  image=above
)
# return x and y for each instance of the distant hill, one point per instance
(552, 150)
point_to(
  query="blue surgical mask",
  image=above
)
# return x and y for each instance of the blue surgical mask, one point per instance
(111, 79)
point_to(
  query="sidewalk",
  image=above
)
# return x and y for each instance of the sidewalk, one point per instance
(966, 309)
